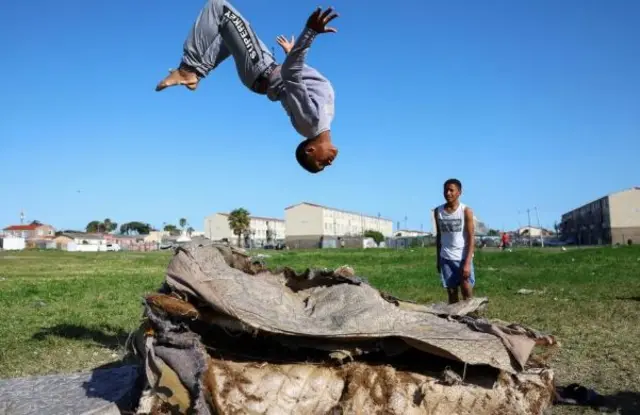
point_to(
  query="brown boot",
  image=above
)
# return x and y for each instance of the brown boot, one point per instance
(179, 77)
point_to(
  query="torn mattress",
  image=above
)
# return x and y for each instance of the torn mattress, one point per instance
(224, 335)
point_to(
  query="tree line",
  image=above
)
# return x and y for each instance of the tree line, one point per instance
(136, 227)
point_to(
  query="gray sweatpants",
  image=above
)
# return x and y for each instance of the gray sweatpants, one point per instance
(219, 32)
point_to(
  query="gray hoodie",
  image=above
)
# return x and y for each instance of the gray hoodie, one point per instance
(305, 94)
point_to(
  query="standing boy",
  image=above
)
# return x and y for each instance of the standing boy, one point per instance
(307, 97)
(455, 243)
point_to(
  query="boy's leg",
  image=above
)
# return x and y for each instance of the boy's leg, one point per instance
(450, 279)
(253, 59)
(219, 32)
(467, 285)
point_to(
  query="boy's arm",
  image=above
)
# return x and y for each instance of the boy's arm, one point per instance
(285, 43)
(469, 229)
(293, 63)
(438, 241)
(298, 98)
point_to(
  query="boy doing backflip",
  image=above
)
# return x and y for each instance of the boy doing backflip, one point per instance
(455, 243)
(307, 96)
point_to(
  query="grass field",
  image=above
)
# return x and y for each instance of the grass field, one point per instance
(71, 311)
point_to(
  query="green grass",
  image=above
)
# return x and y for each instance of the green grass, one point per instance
(72, 311)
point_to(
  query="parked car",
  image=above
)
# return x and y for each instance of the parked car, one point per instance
(113, 247)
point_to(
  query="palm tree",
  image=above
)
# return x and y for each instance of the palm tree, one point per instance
(239, 222)
(109, 226)
(183, 222)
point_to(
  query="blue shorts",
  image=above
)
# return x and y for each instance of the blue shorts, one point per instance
(451, 271)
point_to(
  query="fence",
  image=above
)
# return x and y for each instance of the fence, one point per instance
(404, 242)
(141, 247)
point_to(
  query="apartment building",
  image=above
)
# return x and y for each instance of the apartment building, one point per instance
(216, 227)
(611, 219)
(308, 223)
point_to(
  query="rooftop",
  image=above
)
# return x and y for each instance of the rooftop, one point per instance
(256, 217)
(29, 227)
(629, 189)
(83, 235)
(337, 210)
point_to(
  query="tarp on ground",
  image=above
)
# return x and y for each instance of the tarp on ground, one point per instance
(224, 335)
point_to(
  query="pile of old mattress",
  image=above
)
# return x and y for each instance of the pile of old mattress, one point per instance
(224, 335)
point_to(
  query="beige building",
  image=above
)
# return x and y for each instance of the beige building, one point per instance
(216, 227)
(611, 219)
(307, 223)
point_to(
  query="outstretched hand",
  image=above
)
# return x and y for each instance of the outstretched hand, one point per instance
(318, 20)
(286, 44)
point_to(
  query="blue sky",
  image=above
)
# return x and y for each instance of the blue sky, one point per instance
(529, 103)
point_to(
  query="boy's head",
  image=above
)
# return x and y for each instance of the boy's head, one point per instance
(314, 154)
(452, 190)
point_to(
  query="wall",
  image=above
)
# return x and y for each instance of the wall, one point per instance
(339, 223)
(303, 220)
(303, 241)
(155, 236)
(216, 227)
(11, 243)
(624, 208)
(622, 235)
(44, 230)
(259, 225)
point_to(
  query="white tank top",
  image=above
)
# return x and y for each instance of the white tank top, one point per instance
(452, 235)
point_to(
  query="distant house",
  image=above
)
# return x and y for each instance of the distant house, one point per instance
(147, 242)
(534, 231)
(32, 231)
(79, 238)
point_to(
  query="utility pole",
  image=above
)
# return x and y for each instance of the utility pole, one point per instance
(519, 223)
(538, 216)
(529, 219)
